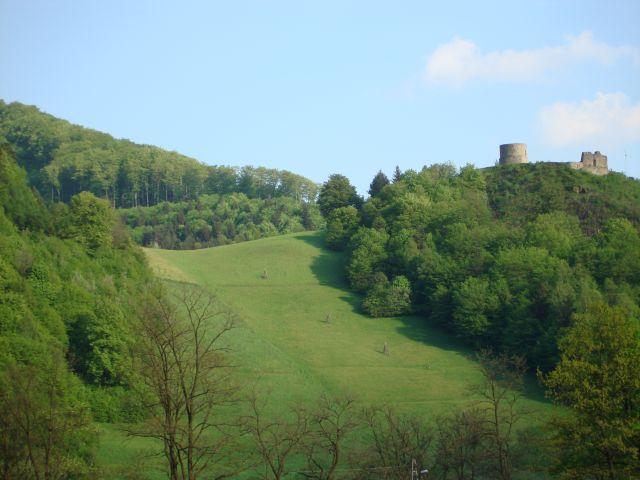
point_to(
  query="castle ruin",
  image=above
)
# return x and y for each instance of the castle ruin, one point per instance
(514, 153)
(595, 163)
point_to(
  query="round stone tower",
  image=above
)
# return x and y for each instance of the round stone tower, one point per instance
(513, 153)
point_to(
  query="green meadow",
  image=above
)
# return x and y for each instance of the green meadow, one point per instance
(301, 331)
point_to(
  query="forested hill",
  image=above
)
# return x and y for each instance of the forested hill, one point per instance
(519, 193)
(503, 257)
(70, 284)
(63, 159)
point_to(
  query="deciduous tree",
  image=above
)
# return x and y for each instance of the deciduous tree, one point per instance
(183, 361)
(598, 376)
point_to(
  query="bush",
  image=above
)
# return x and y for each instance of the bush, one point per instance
(388, 299)
(341, 224)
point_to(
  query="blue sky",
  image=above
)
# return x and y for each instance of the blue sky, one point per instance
(324, 87)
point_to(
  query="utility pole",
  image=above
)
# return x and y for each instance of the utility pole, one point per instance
(414, 470)
(415, 473)
(625, 162)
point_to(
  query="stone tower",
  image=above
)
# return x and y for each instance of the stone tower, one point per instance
(513, 153)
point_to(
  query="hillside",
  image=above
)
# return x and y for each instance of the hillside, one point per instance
(519, 193)
(287, 341)
(69, 281)
(503, 258)
(63, 159)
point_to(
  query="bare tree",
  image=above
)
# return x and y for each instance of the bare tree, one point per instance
(276, 438)
(183, 360)
(460, 452)
(481, 441)
(394, 440)
(500, 394)
(331, 426)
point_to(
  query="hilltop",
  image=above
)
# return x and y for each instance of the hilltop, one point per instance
(519, 193)
(502, 257)
(63, 159)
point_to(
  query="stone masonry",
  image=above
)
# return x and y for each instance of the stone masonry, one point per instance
(514, 153)
(595, 163)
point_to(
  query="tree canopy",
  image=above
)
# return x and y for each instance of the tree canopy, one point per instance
(501, 257)
(63, 159)
(598, 376)
(378, 183)
(337, 192)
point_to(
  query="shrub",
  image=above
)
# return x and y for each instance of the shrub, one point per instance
(388, 299)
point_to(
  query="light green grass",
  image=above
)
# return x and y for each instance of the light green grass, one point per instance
(285, 341)
(122, 457)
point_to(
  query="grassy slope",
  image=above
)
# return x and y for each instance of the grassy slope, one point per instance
(285, 340)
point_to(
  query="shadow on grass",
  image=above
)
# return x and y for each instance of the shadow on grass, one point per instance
(417, 329)
(328, 268)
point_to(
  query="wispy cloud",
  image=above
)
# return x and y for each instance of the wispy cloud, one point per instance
(461, 61)
(608, 119)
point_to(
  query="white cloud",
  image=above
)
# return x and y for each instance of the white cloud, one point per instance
(460, 61)
(608, 119)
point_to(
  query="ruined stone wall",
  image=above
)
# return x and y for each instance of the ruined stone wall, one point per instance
(595, 163)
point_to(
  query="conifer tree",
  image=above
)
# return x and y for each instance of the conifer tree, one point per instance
(379, 182)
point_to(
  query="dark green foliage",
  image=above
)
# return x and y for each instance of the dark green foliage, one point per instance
(501, 257)
(379, 182)
(617, 254)
(387, 299)
(337, 192)
(397, 174)
(474, 307)
(19, 204)
(218, 220)
(519, 193)
(67, 294)
(367, 256)
(64, 159)
(341, 223)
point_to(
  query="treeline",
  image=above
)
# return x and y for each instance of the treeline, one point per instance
(213, 220)
(63, 159)
(69, 278)
(475, 253)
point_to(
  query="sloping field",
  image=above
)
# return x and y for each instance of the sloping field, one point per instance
(285, 289)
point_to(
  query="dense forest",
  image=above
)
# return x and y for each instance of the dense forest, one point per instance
(167, 199)
(63, 159)
(502, 257)
(213, 220)
(69, 277)
(539, 262)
